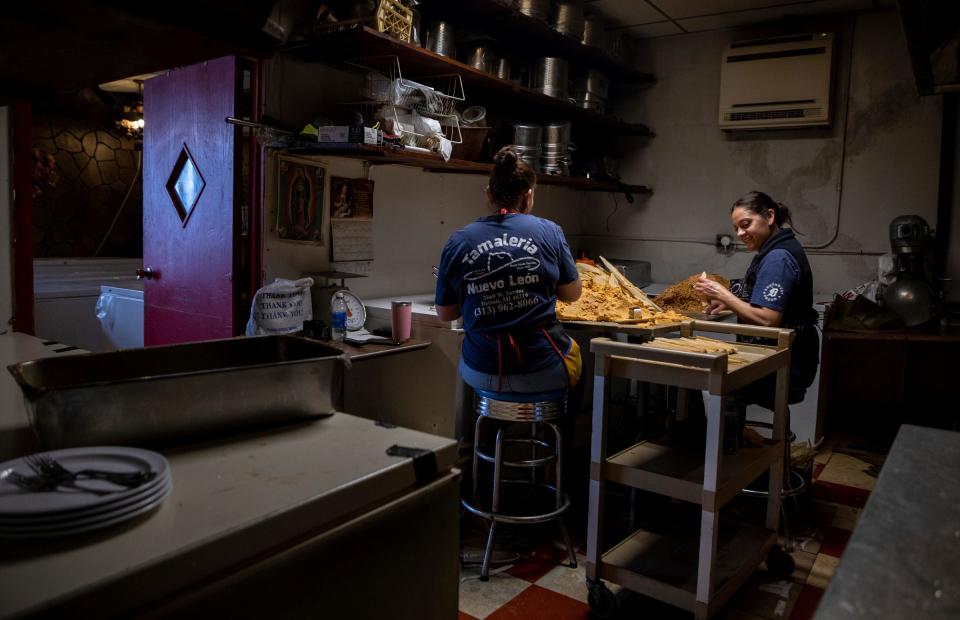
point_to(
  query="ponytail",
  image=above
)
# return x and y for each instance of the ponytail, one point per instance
(759, 203)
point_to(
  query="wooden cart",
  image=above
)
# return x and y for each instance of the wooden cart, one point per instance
(709, 479)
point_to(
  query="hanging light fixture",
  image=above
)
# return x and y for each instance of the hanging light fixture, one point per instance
(132, 120)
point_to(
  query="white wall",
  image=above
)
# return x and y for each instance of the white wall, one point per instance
(886, 150)
(6, 217)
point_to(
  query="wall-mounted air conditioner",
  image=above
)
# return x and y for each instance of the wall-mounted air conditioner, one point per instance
(777, 83)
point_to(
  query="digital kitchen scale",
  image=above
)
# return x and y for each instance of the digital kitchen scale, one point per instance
(325, 287)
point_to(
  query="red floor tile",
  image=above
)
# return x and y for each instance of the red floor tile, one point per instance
(541, 562)
(840, 494)
(536, 603)
(463, 616)
(806, 603)
(834, 541)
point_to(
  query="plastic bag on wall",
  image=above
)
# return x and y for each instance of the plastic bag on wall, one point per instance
(280, 307)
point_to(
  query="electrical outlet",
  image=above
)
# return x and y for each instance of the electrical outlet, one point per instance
(724, 242)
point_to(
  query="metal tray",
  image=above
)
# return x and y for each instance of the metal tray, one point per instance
(179, 392)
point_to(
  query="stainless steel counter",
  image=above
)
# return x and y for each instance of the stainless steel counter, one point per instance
(901, 561)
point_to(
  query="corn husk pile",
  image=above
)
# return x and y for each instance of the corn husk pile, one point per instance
(682, 297)
(609, 297)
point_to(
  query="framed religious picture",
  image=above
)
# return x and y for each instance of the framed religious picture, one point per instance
(351, 219)
(300, 200)
(351, 198)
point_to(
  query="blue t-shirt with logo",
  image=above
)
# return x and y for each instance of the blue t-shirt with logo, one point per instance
(777, 278)
(503, 272)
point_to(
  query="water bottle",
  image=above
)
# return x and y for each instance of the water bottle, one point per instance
(338, 317)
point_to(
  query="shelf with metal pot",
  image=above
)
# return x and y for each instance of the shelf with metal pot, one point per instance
(349, 40)
(534, 28)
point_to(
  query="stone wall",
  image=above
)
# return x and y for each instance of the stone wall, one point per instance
(94, 166)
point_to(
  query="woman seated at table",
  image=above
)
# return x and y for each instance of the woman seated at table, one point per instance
(504, 273)
(777, 291)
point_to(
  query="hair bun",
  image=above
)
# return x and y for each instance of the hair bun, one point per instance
(506, 159)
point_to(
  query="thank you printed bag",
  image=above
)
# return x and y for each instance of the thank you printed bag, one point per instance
(280, 307)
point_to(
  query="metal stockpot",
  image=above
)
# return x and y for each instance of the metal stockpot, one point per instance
(557, 133)
(593, 82)
(441, 39)
(590, 101)
(534, 8)
(481, 57)
(550, 76)
(527, 136)
(569, 18)
(594, 33)
(504, 68)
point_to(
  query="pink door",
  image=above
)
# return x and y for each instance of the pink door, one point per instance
(190, 219)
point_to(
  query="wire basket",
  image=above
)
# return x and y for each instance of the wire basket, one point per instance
(413, 131)
(437, 94)
(394, 99)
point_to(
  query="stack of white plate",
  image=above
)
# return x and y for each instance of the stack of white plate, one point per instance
(80, 508)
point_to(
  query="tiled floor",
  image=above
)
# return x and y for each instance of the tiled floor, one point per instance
(538, 585)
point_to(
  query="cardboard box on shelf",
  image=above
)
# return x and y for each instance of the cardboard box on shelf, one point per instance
(343, 133)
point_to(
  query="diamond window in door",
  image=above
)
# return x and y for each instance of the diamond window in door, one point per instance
(185, 185)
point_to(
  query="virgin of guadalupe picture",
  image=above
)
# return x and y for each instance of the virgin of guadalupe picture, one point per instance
(300, 201)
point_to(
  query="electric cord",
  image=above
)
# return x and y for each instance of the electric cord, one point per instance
(116, 217)
(616, 205)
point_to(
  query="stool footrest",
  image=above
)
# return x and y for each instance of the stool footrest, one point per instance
(518, 519)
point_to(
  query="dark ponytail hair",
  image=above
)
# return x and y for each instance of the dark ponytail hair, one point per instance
(758, 203)
(510, 179)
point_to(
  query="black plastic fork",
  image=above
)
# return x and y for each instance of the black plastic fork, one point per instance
(46, 465)
(44, 484)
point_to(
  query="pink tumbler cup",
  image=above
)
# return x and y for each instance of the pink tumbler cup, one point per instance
(401, 317)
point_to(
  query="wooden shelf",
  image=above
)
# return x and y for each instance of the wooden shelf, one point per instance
(533, 37)
(678, 473)
(664, 566)
(347, 41)
(389, 155)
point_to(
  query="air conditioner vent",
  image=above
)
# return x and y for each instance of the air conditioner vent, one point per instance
(748, 116)
(777, 84)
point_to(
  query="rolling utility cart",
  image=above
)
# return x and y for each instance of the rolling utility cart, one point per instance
(702, 574)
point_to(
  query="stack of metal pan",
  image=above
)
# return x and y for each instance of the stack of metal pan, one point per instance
(555, 149)
(526, 142)
(569, 18)
(591, 91)
(550, 76)
(534, 8)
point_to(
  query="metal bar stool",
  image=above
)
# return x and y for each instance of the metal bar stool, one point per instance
(537, 410)
(793, 482)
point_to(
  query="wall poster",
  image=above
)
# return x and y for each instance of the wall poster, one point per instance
(351, 219)
(300, 199)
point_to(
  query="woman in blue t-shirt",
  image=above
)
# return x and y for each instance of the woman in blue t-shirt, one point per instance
(503, 274)
(777, 289)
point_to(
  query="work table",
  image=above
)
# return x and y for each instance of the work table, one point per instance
(237, 501)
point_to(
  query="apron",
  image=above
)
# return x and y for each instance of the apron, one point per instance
(554, 334)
